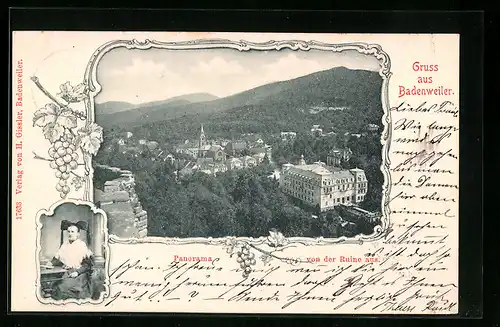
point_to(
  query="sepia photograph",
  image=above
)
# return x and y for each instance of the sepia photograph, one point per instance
(72, 254)
(216, 142)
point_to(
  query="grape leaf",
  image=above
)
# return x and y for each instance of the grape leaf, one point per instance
(265, 258)
(66, 119)
(73, 94)
(276, 239)
(90, 138)
(53, 131)
(51, 113)
(45, 115)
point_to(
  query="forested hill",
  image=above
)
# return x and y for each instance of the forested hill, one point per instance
(112, 107)
(284, 102)
(114, 112)
(281, 106)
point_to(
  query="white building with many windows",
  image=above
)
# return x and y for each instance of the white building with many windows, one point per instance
(326, 186)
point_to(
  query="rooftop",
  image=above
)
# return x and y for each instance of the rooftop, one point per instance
(236, 145)
(205, 147)
(215, 148)
(315, 170)
(258, 150)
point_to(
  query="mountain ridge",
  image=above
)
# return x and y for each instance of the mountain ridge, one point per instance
(336, 86)
(113, 107)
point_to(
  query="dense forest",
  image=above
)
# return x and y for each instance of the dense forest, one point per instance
(238, 203)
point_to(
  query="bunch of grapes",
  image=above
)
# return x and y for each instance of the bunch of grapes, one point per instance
(246, 259)
(64, 160)
(77, 182)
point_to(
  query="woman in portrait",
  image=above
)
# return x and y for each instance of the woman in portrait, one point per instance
(77, 259)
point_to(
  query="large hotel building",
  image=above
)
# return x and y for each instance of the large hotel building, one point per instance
(323, 185)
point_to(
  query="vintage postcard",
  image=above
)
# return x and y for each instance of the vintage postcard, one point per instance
(235, 172)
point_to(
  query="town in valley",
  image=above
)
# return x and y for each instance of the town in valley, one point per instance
(234, 151)
(319, 188)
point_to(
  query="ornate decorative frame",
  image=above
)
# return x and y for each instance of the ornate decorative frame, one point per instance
(50, 212)
(241, 45)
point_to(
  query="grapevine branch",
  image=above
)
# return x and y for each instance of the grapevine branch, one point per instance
(72, 172)
(47, 93)
(275, 256)
(63, 106)
(283, 248)
(41, 158)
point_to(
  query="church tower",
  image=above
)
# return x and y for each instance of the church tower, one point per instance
(302, 160)
(202, 141)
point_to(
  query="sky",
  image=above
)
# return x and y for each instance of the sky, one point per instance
(139, 76)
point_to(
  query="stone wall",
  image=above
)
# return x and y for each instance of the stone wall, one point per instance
(126, 217)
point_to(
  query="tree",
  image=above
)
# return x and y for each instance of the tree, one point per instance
(241, 189)
(259, 219)
(266, 160)
(317, 209)
(293, 222)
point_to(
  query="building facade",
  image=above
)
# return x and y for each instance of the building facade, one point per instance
(248, 162)
(324, 186)
(235, 148)
(337, 156)
(316, 130)
(261, 152)
(372, 128)
(216, 152)
(288, 136)
(234, 163)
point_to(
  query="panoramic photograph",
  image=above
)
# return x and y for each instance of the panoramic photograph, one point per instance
(221, 142)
